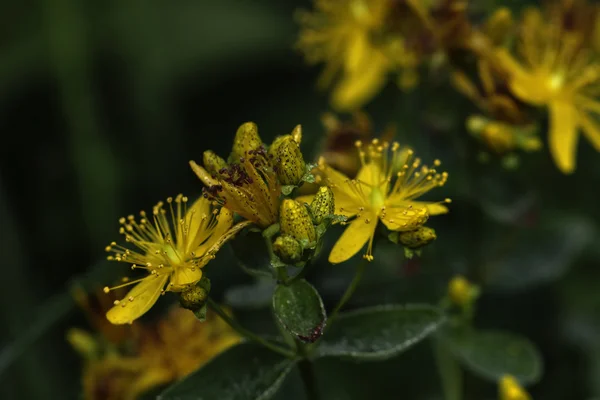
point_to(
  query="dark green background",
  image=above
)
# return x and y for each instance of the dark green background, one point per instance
(102, 104)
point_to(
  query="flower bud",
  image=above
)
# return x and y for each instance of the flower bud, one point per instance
(287, 249)
(288, 160)
(462, 292)
(509, 389)
(246, 139)
(295, 221)
(418, 238)
(297, 134)
(193, 298)
(323, 204)
(213, 163)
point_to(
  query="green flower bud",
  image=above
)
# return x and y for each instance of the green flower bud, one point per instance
(323, 204)
(418, 238)
(295, 221)
(460, 291)
(288, 160)
(287, 249)
(213, 163)
(246, 139)
(193, 298)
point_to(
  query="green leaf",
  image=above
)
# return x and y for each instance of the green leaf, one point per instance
(287, 189)
(244, 372)
(300, 310)
(492, 354)
(379, 333)
(539, 255)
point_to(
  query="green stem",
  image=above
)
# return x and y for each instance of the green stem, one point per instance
(307, 373)
(349, 291)
(246, 333)
(449, 370)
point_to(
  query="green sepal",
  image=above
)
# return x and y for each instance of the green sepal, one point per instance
(201, 313)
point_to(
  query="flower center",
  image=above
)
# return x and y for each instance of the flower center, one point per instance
(377, 198)
(174, 257)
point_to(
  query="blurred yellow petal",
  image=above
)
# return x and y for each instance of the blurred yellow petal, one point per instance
(370, 174)
(563, 135)
(359, 87)
(139, 300)
(354, 238)
(357, 51)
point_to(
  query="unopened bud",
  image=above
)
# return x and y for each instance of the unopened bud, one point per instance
(498, 136)
(295, 221)
(418, 238)
(213, 163)
(194, 298)
(246, 139)
(287, 249)
(297, 134)
(462, 292)
(323, 204)
(288, 160)
(509, 389)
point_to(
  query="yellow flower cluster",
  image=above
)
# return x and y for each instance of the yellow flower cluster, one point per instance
(548, 59)
(174, 242)
(156, 355)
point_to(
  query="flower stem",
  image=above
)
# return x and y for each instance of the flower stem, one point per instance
(449, 370)
(307, 373)
(248, 334)
(349, 291)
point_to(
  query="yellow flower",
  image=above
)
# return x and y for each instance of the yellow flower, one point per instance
(154, 355)
(172, 246)
(509, 389)
(349, 36)
(557, 71)
(385, 189)
(249, 186)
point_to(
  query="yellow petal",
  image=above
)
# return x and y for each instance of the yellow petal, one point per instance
(347, 201)
(356, 235)
(563, 135)
(432, 208)
(370, 174)
(224, 222)
(203, 174)
(591, 129)
(357, 50)
(357, 88)
(183, 277)
(143, 296)
(221, 240)
(523, 84)
(404, 218)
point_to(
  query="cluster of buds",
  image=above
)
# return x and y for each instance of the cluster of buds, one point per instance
(302, 227)
(251, 181)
